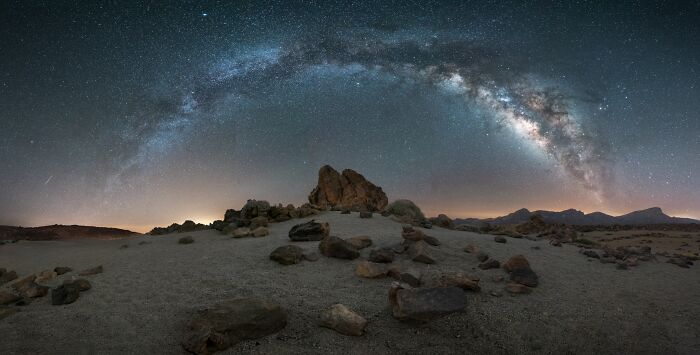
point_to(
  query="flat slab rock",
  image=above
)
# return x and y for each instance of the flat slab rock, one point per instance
(424, 304)
(309, 231)
(229, 322)
(334, 247)
(287, 255)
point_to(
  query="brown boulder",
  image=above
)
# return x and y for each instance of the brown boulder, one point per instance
(516, 262)
(412, 234)
(418, 252)
(411, 277)
(451, 279)
(348, 190)
(7, 298)
(287, 254)
(490, 264)
(309, 231)
(335, 247)
(360, 242)
(371, 270)
(381, 255)
(7, 276)
(343, 320)
(424, 304)
(442, 221)
(227, 323)
(517, 288)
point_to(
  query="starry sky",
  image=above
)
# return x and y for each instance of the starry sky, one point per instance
(142, 113)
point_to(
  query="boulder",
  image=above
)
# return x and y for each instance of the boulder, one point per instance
(8, 297)
(23, 282)
(680, 262)
(309, 231)
(242, 232)
(490, 264)
(335, 247)
(424, 304)
(260, 221)
(370, 270)
(381, 255)
(287, 255)
(516, 262)
(499, 239)
(93, 271)
(254, 208)
(405, 210)
(45, 275)
(185, 240)
(33, 290)
(517, 288)
(343, 320)
(7, 276)
(364, 214)
(409, 276)
(590, 254)
(451, 279)
(431, 240)
(224, 324)
(260, 232)
(412, 234)
(348, 190)
(418, 252)
(360, 242)
(524, 276)
(442, 221)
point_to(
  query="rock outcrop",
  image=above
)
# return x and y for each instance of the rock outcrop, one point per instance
(348, 190)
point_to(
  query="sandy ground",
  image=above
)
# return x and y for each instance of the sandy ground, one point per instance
(148, 293)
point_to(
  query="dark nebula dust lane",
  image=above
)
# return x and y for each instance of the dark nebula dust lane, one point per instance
(138, 115)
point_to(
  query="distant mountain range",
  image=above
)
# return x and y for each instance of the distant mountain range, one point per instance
(652, 215)
(61, 232)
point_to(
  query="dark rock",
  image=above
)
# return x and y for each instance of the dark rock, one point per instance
(451, 279)
(7, 276)
(8, 297)
(607, 260)
(424, 304)
(309, 231)
(490, 264)
(442, 221)
(254, 208)
(679, 262)
(499, 239)
(412, 234)
(65, 294)
(524, 276)
(365, 214)
(381, 255)
(81, 284)
(260, 232)
(431, 240)
(93, 271)
(404, 210)
(590, 254)
(23, 283)
(33, 290)
(231, 215)
(418, 252)
(287, 255)
(517, 288)
(370, 270)
(348, 190)
(185, 240)
(343, 320)
(335, 247)
(219, 224)
(227, 323)
(471, 248)
(409, 276)
(426, 225)
(481, 256)
(345, 211)
(515, 263)
(260, 221)
(360, 242)
(242, 232)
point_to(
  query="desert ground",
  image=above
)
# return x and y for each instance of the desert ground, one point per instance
(148, 293)
(661, 241)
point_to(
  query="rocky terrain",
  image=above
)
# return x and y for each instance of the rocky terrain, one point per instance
(340, 278)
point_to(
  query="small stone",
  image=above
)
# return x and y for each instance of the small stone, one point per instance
(185, 240)
(524, 276)
(343, 320)
(516, 262)
(499, 239)
(607, 260)
(287, 255)
(680, 262)
(311, 256)
(490, 264)
(481, 256)
(65, 294)
(360, 242)
(382, 255)
(451, 279)
(93, 271)
(517, 288)
(496, 293)
(34, 290)
(590, 254)
(412, 234)
(621, 265)
(471, 248)
(555, 243)
(124, 246)
(370, 270)
(431, 240)
(365, 214)
(345, 211)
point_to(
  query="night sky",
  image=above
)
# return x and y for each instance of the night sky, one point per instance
(136, 114)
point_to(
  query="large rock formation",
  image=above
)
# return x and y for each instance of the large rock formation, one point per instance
(348, 190)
